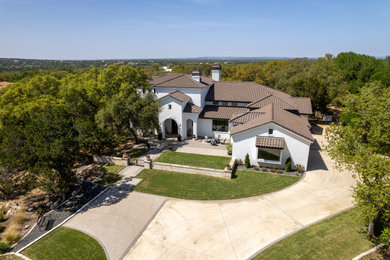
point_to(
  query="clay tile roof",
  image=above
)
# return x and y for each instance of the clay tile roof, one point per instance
(236, 91)
(3, 84)
(303, 104)
(192, 108)
(296, 124)
(244, 117)
(180, 96)
(272, 100)
(220, 112)
(174, 80)
(270, 142)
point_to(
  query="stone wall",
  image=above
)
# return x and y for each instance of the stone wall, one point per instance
(226, 173)
(111, 160)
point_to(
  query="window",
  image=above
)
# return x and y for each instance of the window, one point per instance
(169, 106)
(234, 104)
(225, 103)
(215, 103)
(220, 125)
(269, 154)
(270, 131)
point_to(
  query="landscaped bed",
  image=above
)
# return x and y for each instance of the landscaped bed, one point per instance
(199, 160)
(199, 187)
(339, 237)
(65, 243)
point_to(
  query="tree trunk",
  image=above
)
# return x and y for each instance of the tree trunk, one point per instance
(370, 229)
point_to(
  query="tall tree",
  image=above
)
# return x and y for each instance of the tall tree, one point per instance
(362, 143)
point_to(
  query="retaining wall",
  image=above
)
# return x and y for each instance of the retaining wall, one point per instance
(111, 160)
(226, 173)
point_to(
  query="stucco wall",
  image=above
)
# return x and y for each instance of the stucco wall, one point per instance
(174, 113)
(295, 146)
(205, 127)
(197, 94)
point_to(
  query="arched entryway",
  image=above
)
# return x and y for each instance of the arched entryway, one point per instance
(170, 127)
(190, 128)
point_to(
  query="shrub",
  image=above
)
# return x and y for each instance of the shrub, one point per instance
(264, 169)
(19, 217)
(247, 161)
(279, 170)
(300, 168)
(4, 248)
(229, 148)
(274, 170)
(256, 167)
(385, 236)
(11, 233)
(287, 166)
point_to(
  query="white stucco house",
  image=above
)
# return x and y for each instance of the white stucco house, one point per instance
(268, 125)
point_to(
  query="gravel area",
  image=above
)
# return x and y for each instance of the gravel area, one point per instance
(87, 192)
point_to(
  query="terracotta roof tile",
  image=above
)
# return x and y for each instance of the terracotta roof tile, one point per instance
(174, 80)
(179, 96)
(303, 104)
(192, 108)
(297, 124)
(272, 100)
(221, 112)
(270, 142)
(236, 91)
(244, 117)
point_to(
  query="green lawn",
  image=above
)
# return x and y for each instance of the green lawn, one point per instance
(10, 257)
(65, 244)
(339, 237)
(206, 161)
(111, 175)
(200, 187)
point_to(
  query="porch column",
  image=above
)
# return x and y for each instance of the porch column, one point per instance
(195, 128)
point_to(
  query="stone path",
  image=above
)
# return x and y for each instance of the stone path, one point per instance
(119, 216)
(239, 229)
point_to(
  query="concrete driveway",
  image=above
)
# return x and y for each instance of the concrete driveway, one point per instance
(119, 216)
(239, 229)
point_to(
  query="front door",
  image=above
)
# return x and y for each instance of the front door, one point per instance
(174, 127)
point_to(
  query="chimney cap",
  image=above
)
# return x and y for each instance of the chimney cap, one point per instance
(216, 67)
(196, 73)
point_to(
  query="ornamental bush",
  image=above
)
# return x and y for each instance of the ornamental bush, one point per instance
(247, 161)
(287, 166)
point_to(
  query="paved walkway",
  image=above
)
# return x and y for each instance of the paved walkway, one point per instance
(238, 229)
(201, 147)
(119, 216)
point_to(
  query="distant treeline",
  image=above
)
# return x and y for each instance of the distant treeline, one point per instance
(325, 80)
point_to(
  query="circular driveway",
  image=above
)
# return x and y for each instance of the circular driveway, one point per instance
(238, 229)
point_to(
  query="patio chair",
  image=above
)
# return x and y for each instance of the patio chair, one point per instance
(213, 141)
(207, 139)
(223, 141)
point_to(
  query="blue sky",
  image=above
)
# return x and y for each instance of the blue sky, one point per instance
(92, 29)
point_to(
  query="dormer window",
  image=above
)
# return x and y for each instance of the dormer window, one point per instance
(169, 106)
(215, 103)
(270, 131)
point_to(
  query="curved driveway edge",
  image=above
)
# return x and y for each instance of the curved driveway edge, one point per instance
(238, 229)
(119, 216)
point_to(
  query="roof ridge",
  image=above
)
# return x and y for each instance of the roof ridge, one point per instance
(170, 78)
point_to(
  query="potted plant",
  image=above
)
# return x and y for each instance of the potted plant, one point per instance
(170, 147)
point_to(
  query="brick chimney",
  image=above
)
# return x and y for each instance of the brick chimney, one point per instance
(216, 72)
(197, 75)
